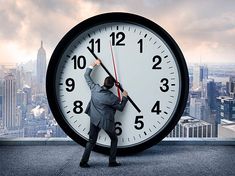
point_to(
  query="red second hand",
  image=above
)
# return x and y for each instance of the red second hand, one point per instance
(115, 72)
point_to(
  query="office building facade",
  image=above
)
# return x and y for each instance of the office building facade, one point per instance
(189, 127)
(226, 108)
(11, 121)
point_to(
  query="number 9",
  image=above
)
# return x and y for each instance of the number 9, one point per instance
(71, 84)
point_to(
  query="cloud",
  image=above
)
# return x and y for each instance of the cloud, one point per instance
(201, 28)
(26, 23)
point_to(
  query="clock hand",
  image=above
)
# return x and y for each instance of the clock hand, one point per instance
(117, 83)
(115, 72)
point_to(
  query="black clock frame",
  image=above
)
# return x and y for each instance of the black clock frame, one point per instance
(101, 19)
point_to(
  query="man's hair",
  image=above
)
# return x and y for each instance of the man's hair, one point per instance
(109, 82)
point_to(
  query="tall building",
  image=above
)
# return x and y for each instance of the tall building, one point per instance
(200, 74)
(196, 77)
(28, 79)
(41, 70)
(231, 86)
(189, 127)
(21, 98)
(199, 108)
(212, 93)
(10, 120)
(19, 77)
(226, 108)
(28, 91)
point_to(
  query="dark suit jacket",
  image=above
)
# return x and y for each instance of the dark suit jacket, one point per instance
(103, 104)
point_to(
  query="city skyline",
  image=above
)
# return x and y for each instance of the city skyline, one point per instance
(24, 111)
(210, 110)
(204, 30)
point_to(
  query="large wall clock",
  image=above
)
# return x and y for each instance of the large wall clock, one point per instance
(149, 65)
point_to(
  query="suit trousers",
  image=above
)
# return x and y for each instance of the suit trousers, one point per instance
(94, 131)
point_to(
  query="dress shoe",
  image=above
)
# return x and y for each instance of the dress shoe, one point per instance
(114, 164)
(84, 165)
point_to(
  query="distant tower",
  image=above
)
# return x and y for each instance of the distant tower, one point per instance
(200, 74)
(10, 120)
(212, 93)
(41, 70)
(196, 77)
(231, 89)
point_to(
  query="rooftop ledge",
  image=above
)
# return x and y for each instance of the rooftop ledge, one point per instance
(68, 141)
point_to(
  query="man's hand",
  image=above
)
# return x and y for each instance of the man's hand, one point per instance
(117, 84)
(124, 93)
(96, 62)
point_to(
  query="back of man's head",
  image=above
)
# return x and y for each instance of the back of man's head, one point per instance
(109, 82)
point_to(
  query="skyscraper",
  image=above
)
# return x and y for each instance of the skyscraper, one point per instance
(41, 70)
(212, 93)
(10, 120)
(28, 91)
(199, 108)
(200, 74)
(231, 86)
(226, 108)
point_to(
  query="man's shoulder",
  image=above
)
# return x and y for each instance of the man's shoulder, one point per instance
(96, 88)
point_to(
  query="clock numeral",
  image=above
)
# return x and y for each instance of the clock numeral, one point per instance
(139, 123)
(140, 42)
(93, 43)
(118, 128)
(156, 108)
(77, 107)
(164, 87)
(70, 83)
(158, 60)
(79, 62)
(117, 38)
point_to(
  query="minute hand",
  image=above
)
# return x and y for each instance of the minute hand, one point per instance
(118, 85)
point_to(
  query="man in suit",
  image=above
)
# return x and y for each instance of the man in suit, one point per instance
(101, 109)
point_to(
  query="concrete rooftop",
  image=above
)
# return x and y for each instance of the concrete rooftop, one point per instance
(178, 160)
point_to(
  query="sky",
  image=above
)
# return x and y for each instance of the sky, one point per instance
(204, 30)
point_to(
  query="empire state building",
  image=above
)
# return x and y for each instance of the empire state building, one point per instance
(41, 70)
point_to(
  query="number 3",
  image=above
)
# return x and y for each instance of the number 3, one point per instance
(165, 86)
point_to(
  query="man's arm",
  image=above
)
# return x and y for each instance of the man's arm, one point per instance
(120, 105)
(87, 74)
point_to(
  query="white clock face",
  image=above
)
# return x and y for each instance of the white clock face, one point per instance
(146, 69)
